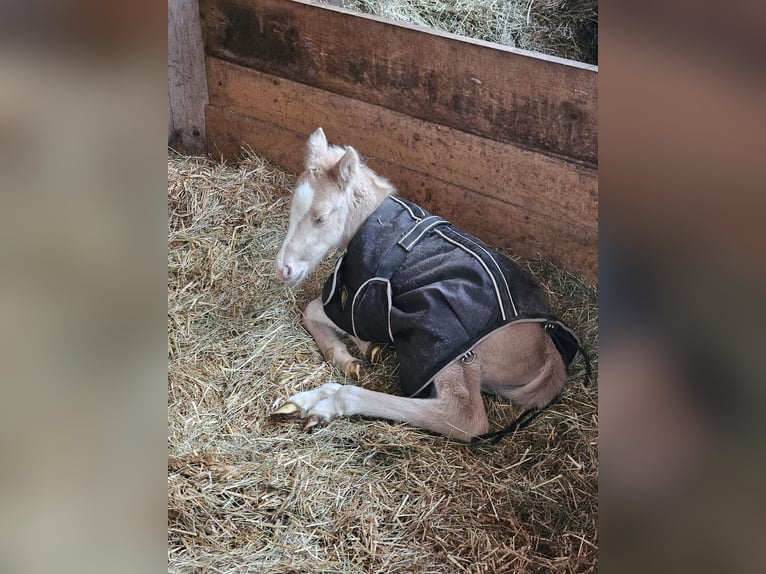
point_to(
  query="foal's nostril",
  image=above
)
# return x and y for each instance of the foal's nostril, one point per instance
(286, 272)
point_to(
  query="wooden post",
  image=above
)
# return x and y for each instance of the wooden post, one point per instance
(187, 83)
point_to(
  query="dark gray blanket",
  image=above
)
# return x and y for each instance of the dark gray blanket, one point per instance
(411, 279)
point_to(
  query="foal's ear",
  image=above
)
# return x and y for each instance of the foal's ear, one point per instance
(315, 146)
(345, 170)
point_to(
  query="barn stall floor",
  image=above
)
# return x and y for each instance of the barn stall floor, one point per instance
(246, 494)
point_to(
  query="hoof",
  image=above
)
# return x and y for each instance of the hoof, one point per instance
(357, 371)
(311, 423)
(375, 354)
(287, 411)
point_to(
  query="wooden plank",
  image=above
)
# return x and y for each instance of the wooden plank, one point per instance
(549, 186)
(538, 102)
(529, 234)
(187, 85)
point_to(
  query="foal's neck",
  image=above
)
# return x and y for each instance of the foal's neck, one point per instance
(370, 191)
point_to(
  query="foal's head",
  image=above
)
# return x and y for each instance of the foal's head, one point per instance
(332, 197)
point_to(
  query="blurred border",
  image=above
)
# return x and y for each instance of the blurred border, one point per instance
(681, 265)
(83, 150)
(83, 427)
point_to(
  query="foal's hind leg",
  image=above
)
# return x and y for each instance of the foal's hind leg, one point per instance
(456, 409)
(328, 338)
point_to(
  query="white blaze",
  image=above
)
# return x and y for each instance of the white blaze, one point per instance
(302, 200)
(303, 197)
(300, 206)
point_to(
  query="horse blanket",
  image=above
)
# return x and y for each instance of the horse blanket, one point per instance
(412, 280)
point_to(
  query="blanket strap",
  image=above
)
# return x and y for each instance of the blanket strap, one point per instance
(391, 261)
(523, 420)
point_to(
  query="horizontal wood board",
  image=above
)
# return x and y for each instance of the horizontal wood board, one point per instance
(500, 223)
(535, 102)
(551, 187)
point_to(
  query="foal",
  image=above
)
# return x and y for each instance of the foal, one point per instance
(462, 318)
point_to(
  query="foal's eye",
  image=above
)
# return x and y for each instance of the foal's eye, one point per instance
(320, 220)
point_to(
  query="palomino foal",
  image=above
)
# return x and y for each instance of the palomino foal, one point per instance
(462, 318)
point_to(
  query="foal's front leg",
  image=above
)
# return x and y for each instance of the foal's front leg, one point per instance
(328, 338)
(372, 352)
(456, 409)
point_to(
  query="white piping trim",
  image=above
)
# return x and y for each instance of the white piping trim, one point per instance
(559, 324)
(425, 230)
(507, 288)
(334, 279)
(389, 296)
(494, 283)
(405, 206)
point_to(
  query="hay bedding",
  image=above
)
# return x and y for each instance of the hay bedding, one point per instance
(563, 28)
(246, 494)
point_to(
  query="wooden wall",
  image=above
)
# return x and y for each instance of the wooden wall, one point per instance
(500, 141)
